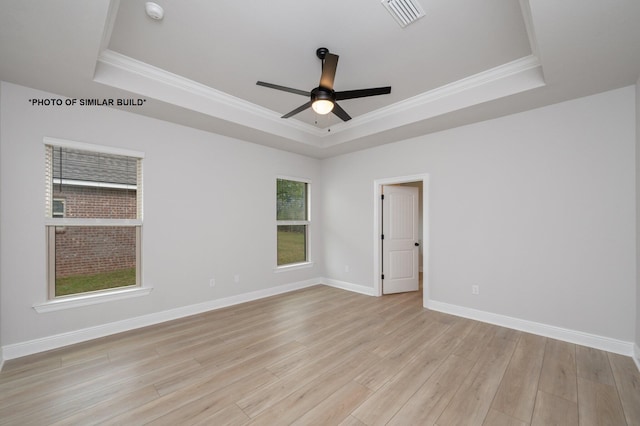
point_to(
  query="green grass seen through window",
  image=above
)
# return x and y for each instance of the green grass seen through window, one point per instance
(291, 247)
(83, 283)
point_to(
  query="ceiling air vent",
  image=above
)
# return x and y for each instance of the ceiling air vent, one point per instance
(404, 11)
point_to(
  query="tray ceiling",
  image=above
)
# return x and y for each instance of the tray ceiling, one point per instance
(464, 61)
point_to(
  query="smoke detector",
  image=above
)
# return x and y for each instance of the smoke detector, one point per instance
(154, 10)
(404, 12)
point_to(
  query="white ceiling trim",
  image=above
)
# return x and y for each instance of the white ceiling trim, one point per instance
(514, 77)
(110, 22)
(525, 8)
(499, 73)
(123, 72)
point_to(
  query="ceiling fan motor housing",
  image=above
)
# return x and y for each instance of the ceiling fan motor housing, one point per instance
(321, 52)
(322, 93)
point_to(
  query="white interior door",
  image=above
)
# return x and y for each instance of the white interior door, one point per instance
(400, 248)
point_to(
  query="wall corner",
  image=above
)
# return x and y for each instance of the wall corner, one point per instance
(636, 357)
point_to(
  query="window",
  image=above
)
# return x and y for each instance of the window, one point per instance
(93, 219)
(58, 207)
(292, 221)
(58, 211)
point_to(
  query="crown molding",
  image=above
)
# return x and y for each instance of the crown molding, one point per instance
(508, 79)
(126, 73)
(525, 8)
(123, 72)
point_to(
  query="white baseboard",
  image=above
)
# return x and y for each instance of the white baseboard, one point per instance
(571, 336)
(356, 288)
(64, 339)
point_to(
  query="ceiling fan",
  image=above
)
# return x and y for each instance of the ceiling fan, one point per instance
(323, 98)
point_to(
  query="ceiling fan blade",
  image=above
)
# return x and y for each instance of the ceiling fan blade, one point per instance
(363, 93)
(337, 110)
(283, 88)
(329, 66)
(297, 110)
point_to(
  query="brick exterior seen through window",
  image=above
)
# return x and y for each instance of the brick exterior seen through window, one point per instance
(92, 250)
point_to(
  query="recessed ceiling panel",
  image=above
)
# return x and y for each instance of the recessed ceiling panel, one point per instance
(231, 45)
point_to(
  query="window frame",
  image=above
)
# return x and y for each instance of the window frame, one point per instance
(306, 223)
(52, 224)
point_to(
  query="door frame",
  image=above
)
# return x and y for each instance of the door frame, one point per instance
(377, 230)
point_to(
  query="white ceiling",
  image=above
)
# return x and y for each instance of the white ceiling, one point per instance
(465, 61)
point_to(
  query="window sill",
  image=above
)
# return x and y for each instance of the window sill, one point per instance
(293, 267)
(89, 299)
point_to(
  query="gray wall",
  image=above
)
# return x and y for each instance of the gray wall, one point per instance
(1, 341)
(536, 208)
(209, 211)
(637, 340)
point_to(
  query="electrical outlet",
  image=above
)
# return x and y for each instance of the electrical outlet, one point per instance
(475, 289)
(346, 268)
(236, 278)
(212, 282)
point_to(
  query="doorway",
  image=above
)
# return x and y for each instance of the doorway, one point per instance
(421, 182)
(400, 238)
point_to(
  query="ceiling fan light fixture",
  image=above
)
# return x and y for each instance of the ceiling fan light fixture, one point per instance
(322, 106)
(322, 100)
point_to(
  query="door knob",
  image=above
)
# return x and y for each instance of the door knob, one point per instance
(416, 244)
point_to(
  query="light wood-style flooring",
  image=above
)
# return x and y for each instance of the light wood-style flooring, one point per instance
(322, 356)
